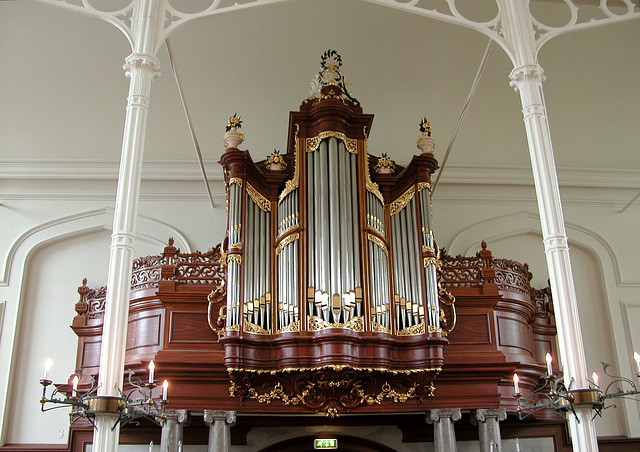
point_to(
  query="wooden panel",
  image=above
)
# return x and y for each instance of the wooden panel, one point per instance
(514, 333)
(144, 332)
(91, 353)
(471, 329)
(190, 327)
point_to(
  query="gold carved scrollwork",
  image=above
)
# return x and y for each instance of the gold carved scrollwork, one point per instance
(317, 324)
(375, 239)
(370, 185)
(423, 185)
(377, 328)
(294, 182)
(237, 258)
(402, 201)
(235, 327)
(253, 328)
(351, 144)
(447, 310)
(413, 330)
(235, 180)
(293, 326)
(260, 200)
(286, 241)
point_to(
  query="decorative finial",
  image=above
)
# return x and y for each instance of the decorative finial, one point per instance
(425, 143)
(385, 165)
(233, 138)
(234, 122)
(425, 127)
(330, 75)
(275, 162)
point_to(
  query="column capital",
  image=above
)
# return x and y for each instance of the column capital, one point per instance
(481, 415)
(435, 415)
(521, 74)
(210, 416)
(180, 416)
(141, 61)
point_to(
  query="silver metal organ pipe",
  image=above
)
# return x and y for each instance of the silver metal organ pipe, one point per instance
(334, 227)
(357, 282)
(311, 281)
(404, 262)
(344, 219)
(324, 221)
(397, 276)
(415, 268)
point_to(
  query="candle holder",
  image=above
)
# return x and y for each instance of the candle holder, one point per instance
(138, 403)
(553, 393)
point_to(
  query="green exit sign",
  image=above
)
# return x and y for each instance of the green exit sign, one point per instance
(325, 443)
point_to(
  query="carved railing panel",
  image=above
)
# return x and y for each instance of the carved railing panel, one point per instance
(460, 271)
(512, 276)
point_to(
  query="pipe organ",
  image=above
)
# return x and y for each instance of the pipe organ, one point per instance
(330, 263)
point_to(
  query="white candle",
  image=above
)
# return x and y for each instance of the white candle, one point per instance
(517, 445)
(179, 446)
(47, 367)
(595, 378)
(516, 379)
(152, 368)
(636, 356)
(151, 443)
(74, 393)
(165, 389)
(549, 359)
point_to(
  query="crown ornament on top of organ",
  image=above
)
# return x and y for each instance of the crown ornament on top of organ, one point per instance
(332, 268)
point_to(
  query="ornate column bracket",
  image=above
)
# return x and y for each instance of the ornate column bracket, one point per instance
(172, 430)
(219, 423)
(488, 422)
(444, 436)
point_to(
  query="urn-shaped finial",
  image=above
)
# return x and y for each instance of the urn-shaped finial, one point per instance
(232, 138)
(425, 143)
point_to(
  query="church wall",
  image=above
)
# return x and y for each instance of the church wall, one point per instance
(55, 256)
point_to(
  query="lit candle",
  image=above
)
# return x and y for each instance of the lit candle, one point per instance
(151, 443)
(517, 445)
(152, 368)
(179, 446)
(47, 367)
(165, 389)
(549, 359)
(595, 378)
(74, 393)
(516, 379)
(636, 356)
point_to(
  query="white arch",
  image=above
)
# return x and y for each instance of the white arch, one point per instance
(468, 240)
(15, 264)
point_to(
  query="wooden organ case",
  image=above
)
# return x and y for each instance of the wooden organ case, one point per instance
(332, 298)
(328, 295)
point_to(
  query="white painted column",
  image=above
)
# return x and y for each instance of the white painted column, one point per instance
(526, 78)
(142, 67)
(219, 423)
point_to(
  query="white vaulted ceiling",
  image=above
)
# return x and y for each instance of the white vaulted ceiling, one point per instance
(63, 90)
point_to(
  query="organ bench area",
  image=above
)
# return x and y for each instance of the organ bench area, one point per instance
(329, 303)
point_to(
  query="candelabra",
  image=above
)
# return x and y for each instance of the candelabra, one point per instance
(554, 393)
(138, 403)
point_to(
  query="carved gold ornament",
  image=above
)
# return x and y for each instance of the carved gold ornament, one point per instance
(402, 201)
(370, 185)
(237, 258)
(253, 328)
(260, 200)
(287, 240)
(378, 241)
(293, 326)
(317, 324)
(294, 182)
(235, 180)
(351, 144)
(377, 328)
